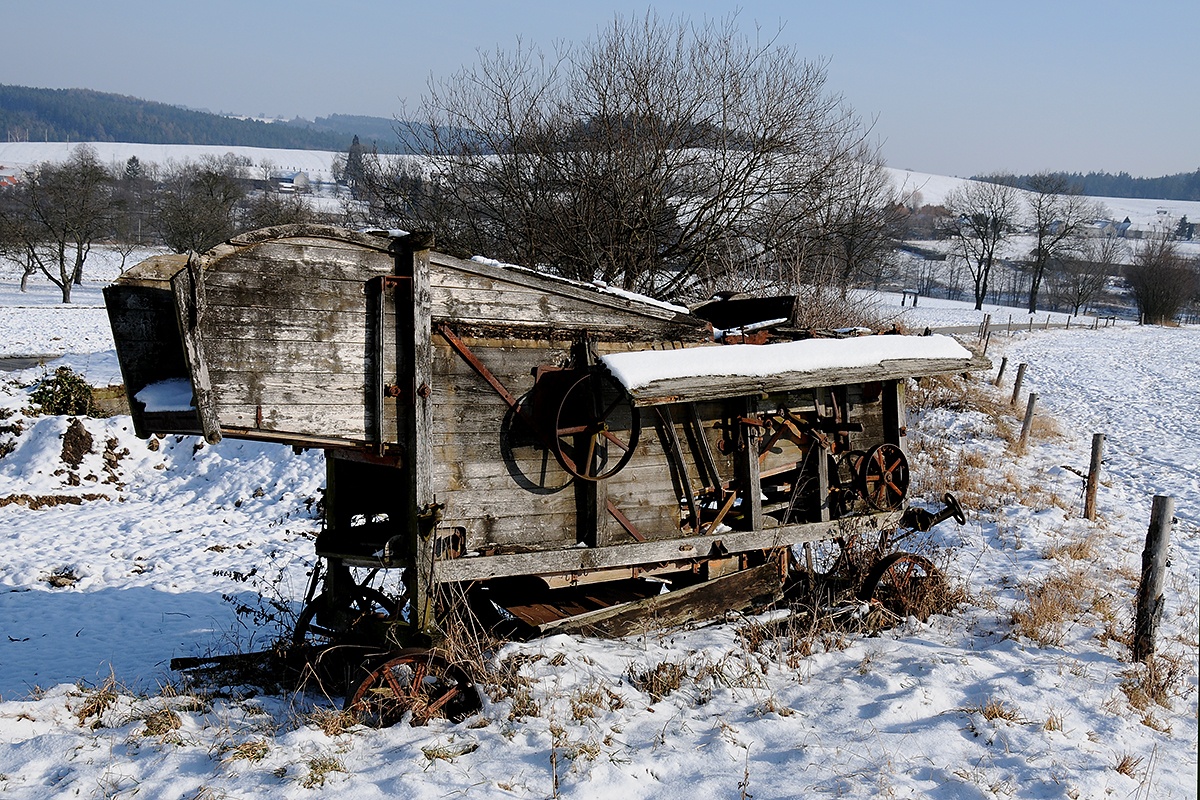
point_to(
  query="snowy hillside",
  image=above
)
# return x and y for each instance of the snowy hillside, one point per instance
(932, 189)
(137, 553)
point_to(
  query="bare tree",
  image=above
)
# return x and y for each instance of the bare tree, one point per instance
(197, 201)
(658, 156)
(1079, 278)
(267, 209)
(1162, 280)
(1057, 213)
(981, 218)
(57, 212)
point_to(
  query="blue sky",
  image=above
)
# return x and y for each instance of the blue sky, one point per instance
(954, 88)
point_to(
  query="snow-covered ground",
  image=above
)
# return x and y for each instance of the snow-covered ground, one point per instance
(164, 543)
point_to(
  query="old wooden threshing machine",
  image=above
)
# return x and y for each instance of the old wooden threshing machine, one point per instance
(557, 456)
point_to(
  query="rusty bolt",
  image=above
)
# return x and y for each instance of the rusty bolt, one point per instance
(423, 390)
(393, 390)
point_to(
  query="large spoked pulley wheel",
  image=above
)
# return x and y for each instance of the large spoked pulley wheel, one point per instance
(596, 428)
(905, 583)
(416, 682)
(883, 477)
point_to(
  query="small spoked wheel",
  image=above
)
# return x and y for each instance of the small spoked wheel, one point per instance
(905, 583)
(883, 477)
(596, 428)
(416, 682)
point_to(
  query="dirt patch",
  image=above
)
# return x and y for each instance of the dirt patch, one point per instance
(49, 500)
(77, 443)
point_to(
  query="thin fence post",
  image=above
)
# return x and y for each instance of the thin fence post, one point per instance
(1031, 323)
(1093, 477)
(1010, 326)
(1068, 322)
(1000, 374)
(1028, 424)
(1017, 384)
(1154, 568)
(1046, 324)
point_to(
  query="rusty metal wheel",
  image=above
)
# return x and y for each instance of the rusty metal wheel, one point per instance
(596, 428)
(416, 682)
(883, 477)
(328, 620)
(906, 583)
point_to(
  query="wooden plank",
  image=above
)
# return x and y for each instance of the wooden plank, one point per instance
(757, 587)
(187, 288)
(576, 559)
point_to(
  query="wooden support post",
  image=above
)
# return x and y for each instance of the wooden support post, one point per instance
(1068, 322)
(1028, 424)
(1000, 374)
(1093, 477)
(747, 476)
(1154, 568)
(1046, 324)
(414, 359)
(1017, 384)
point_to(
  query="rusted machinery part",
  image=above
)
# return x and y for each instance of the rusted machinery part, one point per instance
(330, 620)
(417, 681)
(583, 428)
(905, 583)
(921, 520)
(883, 477)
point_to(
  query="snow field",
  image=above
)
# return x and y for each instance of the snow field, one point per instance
(1026, 691)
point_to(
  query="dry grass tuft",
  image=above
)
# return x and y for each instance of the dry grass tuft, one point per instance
(319, 770)
(1128, 764)
(1050, 607)
(1158, 681)
(660, 680)
(993, 709)
(331, 721)
(162, 722)
(252, 750)
(97, 701)
(1082, 548)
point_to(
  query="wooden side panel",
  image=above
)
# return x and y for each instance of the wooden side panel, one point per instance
(290, 333)
(495, 478)
(471, 294)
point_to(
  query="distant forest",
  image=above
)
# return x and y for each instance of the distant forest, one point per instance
(82, 115)
(1181, 186)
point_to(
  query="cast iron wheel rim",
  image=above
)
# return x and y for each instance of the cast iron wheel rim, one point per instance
(903, 582)
(370, 605)
(587, 393)
(883, 477)
(418, 682)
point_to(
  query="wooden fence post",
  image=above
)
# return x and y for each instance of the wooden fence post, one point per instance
(1028, 424)
(1017, 385)
(1010, 326)
(1000, 374)
(1068, 322)
(1093, 477)
(1154, 567)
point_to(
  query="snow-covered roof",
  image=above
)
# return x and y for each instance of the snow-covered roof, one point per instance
(706, 373)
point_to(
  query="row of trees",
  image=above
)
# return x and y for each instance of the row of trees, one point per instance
(983, 216)
(52, 218)
(663, 157)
